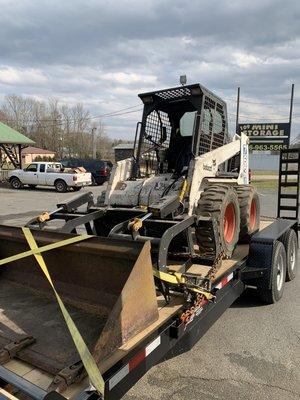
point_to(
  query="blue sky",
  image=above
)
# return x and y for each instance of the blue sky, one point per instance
(103, 53)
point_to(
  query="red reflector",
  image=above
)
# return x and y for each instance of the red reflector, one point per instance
(74, 178)
(136, 360)
(224, 281)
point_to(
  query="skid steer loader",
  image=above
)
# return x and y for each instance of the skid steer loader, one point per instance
(182, 198)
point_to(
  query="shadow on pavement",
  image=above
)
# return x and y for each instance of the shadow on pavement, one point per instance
(249, 298)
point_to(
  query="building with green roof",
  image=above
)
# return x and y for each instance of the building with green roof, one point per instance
(11, 144)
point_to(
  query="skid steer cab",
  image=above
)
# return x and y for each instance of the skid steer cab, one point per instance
(186, 172)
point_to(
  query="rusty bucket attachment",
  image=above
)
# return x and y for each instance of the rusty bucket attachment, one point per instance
(106, 284)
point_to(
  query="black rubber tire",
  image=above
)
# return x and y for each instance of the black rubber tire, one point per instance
(213, 203)
(15, 183)
(290, 241)
(60, 186)
(32, 186)
(247, 196)
(268, 287)
(77, 188)
(94, 183)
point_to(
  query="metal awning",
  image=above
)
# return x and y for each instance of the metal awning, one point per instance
(11, 136)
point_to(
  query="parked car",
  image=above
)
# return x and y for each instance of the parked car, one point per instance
(49, 174)
(100, 169)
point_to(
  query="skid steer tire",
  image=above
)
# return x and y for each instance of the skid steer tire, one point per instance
(250, 211)
(290, 242)
(221, 203)
(270, 288)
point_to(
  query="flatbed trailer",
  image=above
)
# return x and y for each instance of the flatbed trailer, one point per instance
(168, 336)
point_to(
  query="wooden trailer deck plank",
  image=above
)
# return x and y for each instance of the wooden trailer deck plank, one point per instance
(39, 378)
(18, 367)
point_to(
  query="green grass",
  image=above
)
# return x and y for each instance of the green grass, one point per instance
(262, 172)
(270, 184)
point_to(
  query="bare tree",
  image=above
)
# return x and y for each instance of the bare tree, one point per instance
(54, 126)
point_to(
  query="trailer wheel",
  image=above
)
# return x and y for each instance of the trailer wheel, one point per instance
(221, 203)
(250, 211)
(270, 288)
(15, 183)
(290, 242)
(60, 186)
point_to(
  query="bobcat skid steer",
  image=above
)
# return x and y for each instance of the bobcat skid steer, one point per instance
(182, 199)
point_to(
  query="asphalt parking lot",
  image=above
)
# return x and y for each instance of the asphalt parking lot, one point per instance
(251, 352)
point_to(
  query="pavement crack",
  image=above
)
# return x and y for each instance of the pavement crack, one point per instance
(264, 384)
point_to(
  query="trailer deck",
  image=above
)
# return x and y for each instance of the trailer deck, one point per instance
(163, 338)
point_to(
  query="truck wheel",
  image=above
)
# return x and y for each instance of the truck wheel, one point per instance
(250, 211)
(60, 186)
(15, 183)
(290, 242)
(221, 203)
(270, 288)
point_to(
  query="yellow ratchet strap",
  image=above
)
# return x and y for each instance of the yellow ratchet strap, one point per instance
(177, 278)
(183, 190)
(44, 248)
(85, 355)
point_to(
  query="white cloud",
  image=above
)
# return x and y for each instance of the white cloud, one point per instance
(22, 76)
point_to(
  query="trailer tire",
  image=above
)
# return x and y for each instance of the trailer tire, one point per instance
(60, 186)
(250, 211)
(221, 203)
(290, 241)
(32, 186)
(77, 188)
(15, 183)
(270, 288)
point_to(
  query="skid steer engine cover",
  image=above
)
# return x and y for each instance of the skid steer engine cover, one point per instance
(106, 284)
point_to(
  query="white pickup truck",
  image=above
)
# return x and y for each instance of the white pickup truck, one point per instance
(49, 174)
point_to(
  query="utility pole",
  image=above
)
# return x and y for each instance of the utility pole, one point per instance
(291, 111)
(94, 150)
(237, 110)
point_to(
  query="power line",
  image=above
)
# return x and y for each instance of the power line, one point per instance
(60, 122)
(262, 103)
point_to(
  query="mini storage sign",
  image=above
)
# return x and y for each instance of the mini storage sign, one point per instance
(267, 136)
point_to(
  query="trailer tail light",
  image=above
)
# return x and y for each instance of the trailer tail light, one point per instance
(74, 178)
(104, 171)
